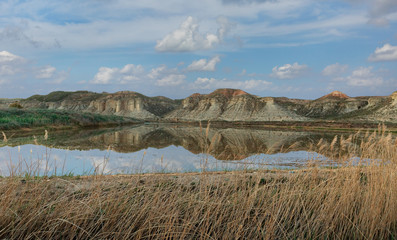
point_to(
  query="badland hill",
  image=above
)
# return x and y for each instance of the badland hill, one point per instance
(220, 105)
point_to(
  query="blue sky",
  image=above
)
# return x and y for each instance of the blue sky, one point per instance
(293, 48)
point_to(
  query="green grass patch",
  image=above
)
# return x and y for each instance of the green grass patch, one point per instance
(62, 95)
(19, 118)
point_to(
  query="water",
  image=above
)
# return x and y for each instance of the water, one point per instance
(158, 148)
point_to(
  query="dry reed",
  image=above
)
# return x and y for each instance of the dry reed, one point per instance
(358, 200)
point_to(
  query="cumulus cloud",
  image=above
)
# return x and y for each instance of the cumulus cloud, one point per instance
(362, 77)
(335, 69)
(289, 71)
(171, 80)
(10, 65)
(163, 76)
(204, 64)
(7, 58)
(212, 83)
(128, 73)
(51, 74)
(104, 75)
(385, 53)
(161, 72)
(188, 38)
(46, 72)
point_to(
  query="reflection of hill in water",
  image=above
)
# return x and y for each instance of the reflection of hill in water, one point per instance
(223, 144)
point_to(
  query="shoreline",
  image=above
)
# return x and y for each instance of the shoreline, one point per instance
(318, 126)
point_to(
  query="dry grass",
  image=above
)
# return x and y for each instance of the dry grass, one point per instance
(358, 200)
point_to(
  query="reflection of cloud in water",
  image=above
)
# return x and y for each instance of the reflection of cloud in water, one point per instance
(181, 148)
(175, 159)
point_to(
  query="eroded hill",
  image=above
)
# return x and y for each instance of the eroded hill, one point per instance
(220, 105)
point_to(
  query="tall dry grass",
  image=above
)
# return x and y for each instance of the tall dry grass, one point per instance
(358, 200)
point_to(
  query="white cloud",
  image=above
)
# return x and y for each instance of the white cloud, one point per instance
(7, 58)
(164, 76)
(15, 68)
(335, 69)
(159, 71)
(385, 53)
(46, 72)
(212, 83)
(187, 37)
(128, 73)
(105, 75)
(362, 77)
(204, 65)
(171, 80)
(51, 74)
(132, 69)
(10, 64)
(160, 76)
(289, 71)
(91, 24)
(254, 84)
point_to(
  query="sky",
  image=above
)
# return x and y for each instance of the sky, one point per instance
(293, 48)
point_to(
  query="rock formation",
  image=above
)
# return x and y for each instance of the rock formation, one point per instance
(232, 105)
(124, 103)
(220, 105)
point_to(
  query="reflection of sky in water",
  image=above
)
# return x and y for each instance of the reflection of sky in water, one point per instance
(36, 158)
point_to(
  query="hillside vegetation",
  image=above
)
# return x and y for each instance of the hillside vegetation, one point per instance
(14, 118)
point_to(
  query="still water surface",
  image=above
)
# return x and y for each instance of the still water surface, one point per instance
(159, 148)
